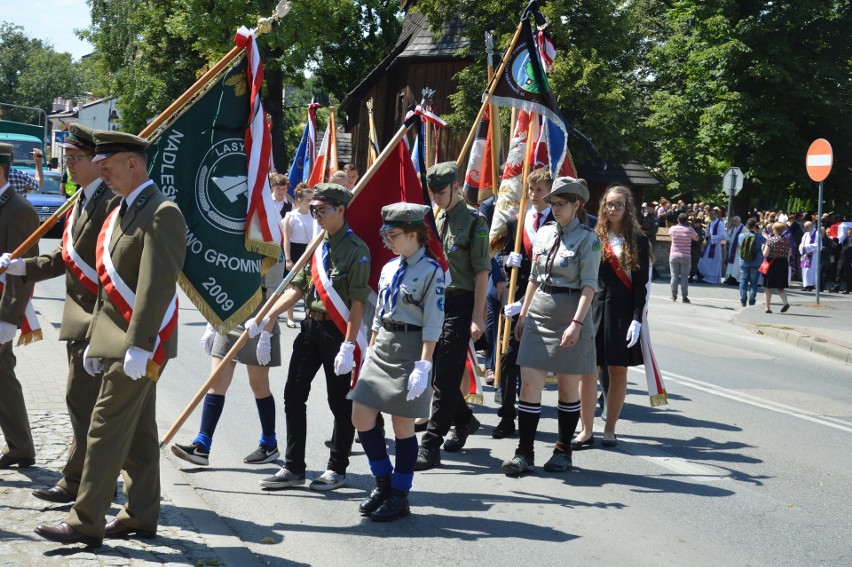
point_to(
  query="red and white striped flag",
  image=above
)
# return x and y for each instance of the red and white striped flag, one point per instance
(326, 163)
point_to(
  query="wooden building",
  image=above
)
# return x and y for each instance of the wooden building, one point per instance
(632, 174)
(417, 61)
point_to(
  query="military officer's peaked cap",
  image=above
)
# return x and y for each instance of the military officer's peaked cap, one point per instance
(81, 138)
(567, 186)
(401, 214)
(331, 193)
(108, 143)
(441, 175)
(6, 153)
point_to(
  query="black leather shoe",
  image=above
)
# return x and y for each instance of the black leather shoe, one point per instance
(117, 530)
(63, 533)
(55, 494)
(579, 445)
(394, 508)
(7, 462)
(459, 437)
(428, 458)
(504, 429)
(377, 497)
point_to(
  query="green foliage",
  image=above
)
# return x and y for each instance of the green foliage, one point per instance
(32, 73)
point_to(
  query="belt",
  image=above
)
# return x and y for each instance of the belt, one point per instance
(318, 315)
(553, 290)
(457, 292)
(400, 327)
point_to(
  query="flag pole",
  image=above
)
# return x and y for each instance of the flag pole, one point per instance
(373, 150)
(503, 342)
(492, 121)
(491, 87)
(297, 267)
(44, 228)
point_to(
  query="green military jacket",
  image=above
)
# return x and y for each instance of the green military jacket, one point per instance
(18, 220)
(464, 236)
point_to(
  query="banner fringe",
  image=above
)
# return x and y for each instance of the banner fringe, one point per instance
(29, 338)
(476, 399)
(660, 399)
(222, 327)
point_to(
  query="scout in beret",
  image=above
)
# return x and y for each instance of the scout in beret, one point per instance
(464, 237)
(331, 193)
(109, 142)
(408, 322)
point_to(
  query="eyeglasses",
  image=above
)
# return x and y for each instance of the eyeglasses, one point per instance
(75, 159)
(559, 204)
(389, 238)
(617, 206)
(319, 213)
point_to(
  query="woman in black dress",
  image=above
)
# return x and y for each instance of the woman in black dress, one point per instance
(618, 307)
(776, 251)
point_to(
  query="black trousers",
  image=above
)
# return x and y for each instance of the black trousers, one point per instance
(448, 404)
(510, 375)
(316, 346)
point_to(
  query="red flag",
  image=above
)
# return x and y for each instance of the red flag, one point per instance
(326, 162)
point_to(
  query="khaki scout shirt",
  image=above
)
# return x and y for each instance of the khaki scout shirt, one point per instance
(421, 295)
(574, 263)
(464, 236)
(349, 270)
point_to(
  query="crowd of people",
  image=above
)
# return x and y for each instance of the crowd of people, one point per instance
(578, 319)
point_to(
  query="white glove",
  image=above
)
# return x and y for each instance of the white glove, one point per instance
(136, 362)
(253, 328)
(92, 365)
(418, 380)
(512, 309)
(345, 359)
(513, 260)
(633, 332)
(14, 267)
(264, 348)
(207, 339)
(7, 332)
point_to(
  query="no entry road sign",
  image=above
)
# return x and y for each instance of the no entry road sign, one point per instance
(819, 160)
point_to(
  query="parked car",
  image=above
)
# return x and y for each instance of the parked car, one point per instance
(48, 199)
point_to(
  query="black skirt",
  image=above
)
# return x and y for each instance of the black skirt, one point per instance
(779, 274)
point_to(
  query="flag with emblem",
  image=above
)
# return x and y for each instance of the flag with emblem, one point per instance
(212, 159)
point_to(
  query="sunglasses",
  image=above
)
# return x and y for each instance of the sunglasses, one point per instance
(320, 212)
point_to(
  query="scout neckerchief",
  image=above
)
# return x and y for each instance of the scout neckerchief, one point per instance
(124, 298)
(84, 273)
(334, 304)
(29, 327)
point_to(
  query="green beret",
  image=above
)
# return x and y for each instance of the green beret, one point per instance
(400, 214)
(112, 142)
(567, 186)
(331, 193)
(6, 153)
(81, 138)
(441, 175)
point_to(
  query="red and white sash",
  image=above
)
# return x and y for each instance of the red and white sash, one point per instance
(124, 298)
(653, 376)
(85, 274)
(30, 327)
(336, 309)
(474, 375)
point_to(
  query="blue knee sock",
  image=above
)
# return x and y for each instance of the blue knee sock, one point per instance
(210, 414)
(406, 457)
(373, 443)
(266, 413)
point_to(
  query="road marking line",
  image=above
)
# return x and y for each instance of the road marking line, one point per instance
(681, 466)
(755, 401)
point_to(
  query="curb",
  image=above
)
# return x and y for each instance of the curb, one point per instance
(803, 341)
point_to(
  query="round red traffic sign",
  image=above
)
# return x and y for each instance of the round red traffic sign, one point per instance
(819, 160)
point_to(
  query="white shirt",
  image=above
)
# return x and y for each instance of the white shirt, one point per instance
(135, 193)
(89, 189)
(303, 227)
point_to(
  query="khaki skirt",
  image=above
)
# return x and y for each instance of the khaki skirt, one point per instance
(383, 381)
(548, 317)
(248, 354)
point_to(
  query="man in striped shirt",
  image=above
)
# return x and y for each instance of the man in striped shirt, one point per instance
(680, 259)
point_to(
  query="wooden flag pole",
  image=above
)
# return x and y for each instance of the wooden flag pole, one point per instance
(503, 342)
(297, 267)
(492, 124)
(491, 87)
(373, 150)
(44, 228)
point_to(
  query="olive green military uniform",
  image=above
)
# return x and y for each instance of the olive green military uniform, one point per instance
(82, 389)
(18, 220)
(148, 247)
(347, 259)
(464, 236)
(565, 260)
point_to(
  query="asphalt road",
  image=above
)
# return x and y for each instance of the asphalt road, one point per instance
(749, 464)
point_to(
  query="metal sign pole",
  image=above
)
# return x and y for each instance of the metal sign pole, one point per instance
(731, 195)
(819, 242)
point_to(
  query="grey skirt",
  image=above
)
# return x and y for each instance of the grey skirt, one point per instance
(548, 317)
(383, 381)
(248, 354)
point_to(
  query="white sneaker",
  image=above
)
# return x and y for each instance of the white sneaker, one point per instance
(283, 479)
(329, 480)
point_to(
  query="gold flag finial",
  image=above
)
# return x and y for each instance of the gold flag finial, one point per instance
(264, 25)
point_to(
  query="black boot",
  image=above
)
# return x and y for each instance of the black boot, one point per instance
(395, 507)
(377, 497)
